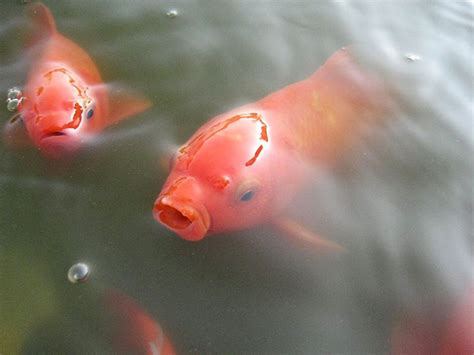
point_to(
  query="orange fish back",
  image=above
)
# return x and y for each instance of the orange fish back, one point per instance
(322, 116)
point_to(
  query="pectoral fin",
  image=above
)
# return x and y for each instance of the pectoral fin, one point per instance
(15, 134)
(123, 104)
(296, 231)
(164, 162)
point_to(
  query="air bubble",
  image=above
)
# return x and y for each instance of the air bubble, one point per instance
(14, 93)
(12, 105)
(78, 273)
(412, 57)
(172, 13)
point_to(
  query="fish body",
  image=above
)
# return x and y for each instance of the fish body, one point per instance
(427, 334)
(244, 167)
(458, 337)
(132, 330)
(65, 99)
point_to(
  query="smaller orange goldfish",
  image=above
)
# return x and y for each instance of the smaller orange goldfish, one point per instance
(65, 100)
(420, 335)
(133, 331)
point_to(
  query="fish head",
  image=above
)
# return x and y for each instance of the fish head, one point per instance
(222, 179)
(58, 111)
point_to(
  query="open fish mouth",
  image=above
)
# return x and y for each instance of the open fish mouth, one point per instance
(189, 221)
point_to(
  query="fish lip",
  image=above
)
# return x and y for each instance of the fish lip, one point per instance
(189, 220)
(53, 135)
(58, 144)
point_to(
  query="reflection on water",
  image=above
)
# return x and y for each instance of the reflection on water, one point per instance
(400, 202)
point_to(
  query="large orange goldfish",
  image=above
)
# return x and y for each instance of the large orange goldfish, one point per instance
(244, 167)
(64, 99)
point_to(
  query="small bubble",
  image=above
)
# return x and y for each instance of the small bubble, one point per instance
(172, 13)
(14, 93)
(12, 105)
(412, 57)
(78, 273)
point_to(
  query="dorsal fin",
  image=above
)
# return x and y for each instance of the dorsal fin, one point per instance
(42, 21)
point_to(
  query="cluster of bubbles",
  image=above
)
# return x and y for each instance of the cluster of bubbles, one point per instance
(14, 98)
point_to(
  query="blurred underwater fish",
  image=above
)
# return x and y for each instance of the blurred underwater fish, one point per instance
(132, 330)
(64, 101)
(420, 335)
(244, 167)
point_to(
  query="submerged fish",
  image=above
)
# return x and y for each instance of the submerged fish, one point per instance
(427, 335)
(132, 330)
(244, 167)
(65, 100)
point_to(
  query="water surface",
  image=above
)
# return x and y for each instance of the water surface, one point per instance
(401, 202)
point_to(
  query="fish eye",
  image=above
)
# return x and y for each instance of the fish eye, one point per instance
(90, 110)
(247, 195)
(90, 113)
(247, 190)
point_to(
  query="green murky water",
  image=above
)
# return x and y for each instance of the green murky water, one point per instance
(401, 203)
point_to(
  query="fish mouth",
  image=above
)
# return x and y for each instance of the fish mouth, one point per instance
(53, 135)
(58, 144)
(190, 222)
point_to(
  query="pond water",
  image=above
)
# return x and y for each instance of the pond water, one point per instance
(400, 202)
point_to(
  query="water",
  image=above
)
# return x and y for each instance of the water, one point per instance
(401, 202)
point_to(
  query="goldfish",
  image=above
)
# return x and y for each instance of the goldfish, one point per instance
(244, 167)
(64, 101)
(132, 330)
(425, 334)
(458, 337)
